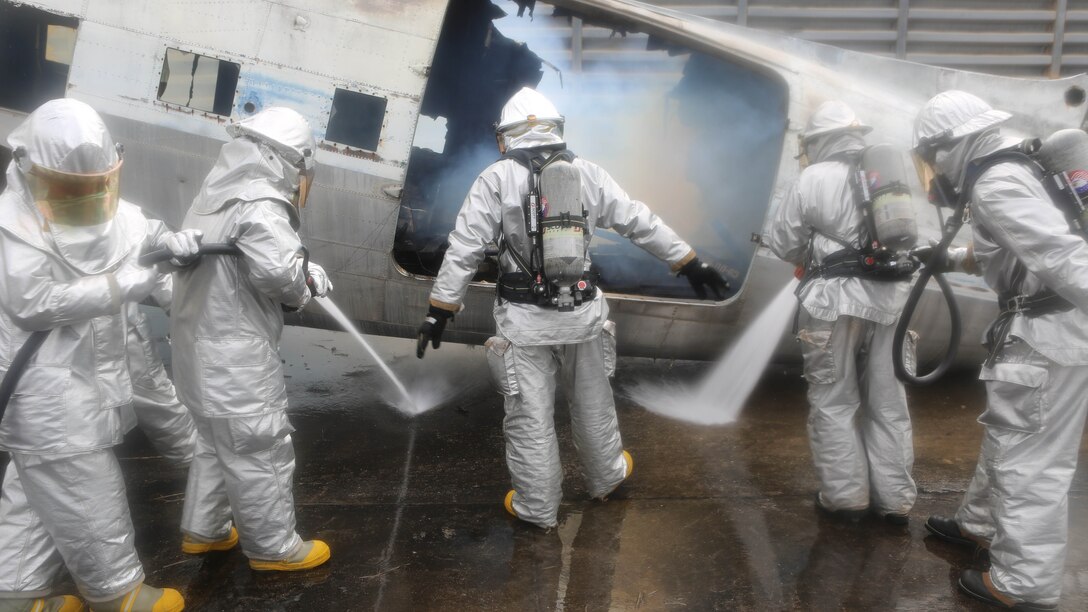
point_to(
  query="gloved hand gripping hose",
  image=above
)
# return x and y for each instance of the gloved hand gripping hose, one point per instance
(932, 267)
(34, 342)
(216, 248)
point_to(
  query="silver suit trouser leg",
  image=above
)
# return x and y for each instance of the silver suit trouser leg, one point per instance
(885, 426)
(79, 501)
(974, 514)
(243, 467)
(526, 376)
(594, 426)
(29, 561)
(206, 513)
(1034, 423)
(165, 420)
(838, 453)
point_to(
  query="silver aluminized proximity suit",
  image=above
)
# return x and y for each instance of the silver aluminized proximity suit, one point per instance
(63, 495)
(155, 405)
(859, 427)
(536, 345)
(226, 324)
(1037, 387)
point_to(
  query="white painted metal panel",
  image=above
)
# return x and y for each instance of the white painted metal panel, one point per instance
(366, 50)
(234, 25)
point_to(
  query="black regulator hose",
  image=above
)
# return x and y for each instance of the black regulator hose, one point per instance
(935, 262)
(35, 340)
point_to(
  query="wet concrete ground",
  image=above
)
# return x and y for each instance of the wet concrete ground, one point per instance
(714, 518)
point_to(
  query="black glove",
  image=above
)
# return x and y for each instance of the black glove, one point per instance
(701, 276)
(431, 329)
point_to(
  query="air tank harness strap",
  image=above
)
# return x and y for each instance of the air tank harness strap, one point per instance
(874, 266)
(522, 288)
(1041, 303)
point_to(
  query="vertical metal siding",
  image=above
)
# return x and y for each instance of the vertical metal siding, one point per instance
(1043, 38)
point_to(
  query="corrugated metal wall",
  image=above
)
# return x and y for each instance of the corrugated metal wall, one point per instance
(1011, 37)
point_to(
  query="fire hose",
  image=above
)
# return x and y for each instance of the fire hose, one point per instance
(932, 268)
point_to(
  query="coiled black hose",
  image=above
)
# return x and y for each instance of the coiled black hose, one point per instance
(936, 261)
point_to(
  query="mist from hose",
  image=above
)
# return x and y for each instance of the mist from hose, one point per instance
(720, 396)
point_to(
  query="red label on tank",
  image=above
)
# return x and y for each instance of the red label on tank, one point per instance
(1079, 180)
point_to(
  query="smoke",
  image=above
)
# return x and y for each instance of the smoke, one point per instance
(696, 138)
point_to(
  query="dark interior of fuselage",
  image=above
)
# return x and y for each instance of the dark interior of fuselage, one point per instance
(696, 137)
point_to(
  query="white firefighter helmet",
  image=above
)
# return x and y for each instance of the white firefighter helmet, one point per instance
(285, 130)
(526, 108)
(833, 116)
(290, 135)
(951, 115)
(70, 163)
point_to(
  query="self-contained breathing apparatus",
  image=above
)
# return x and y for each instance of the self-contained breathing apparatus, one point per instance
(1060, 162)
(888, 229)
(556, 271)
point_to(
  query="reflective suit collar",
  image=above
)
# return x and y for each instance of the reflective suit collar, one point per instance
(246, 171)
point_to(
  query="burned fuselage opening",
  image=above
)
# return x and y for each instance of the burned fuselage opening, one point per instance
(696, 137)
(475, 70)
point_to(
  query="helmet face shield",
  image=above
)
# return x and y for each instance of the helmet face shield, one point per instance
(924, 168)
(67, 198)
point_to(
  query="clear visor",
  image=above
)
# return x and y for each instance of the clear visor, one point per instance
(75, 199)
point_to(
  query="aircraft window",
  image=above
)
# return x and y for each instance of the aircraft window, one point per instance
(37, 50)
(60, 44)
(695, 136)
(198, 81)
(356, 119)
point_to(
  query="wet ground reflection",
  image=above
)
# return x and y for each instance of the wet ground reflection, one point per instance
(714, 518)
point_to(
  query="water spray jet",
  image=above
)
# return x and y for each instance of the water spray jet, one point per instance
(410, 406)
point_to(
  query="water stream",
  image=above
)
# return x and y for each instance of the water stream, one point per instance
(406, 403)
(719, 397)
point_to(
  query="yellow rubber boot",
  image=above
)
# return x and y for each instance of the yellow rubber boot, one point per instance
(61, 603)
(311, 554)
(629, 462)
(192, 546)
(143, 599)
(508, 503)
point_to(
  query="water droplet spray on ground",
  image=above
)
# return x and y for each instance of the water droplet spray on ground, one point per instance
(720, 396)
(405, 402)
